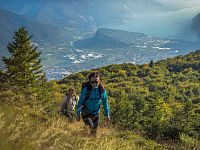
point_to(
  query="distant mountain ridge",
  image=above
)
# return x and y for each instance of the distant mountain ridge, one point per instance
(80, 13)
(196, 25)
(103, 38)
(109, 38)
(10, 22)
(42, 33)
(87, 15)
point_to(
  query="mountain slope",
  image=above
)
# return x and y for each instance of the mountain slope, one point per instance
(196, 25)
(89, 15)
(109, 38)
(101, 39)
(76, 14)
(10, 22)
(42, 33)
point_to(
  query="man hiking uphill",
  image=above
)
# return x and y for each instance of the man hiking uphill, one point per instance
(89, 103)
(67, 106)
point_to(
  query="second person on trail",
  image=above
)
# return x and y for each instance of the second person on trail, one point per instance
(67, 106)
(89, 103)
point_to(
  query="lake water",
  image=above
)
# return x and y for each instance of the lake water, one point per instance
(171, 25)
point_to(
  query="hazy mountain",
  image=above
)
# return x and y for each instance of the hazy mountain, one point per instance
(10, 22)
(109, 38)
(103, 38)
(161, 18)
(196, 25)
(82, 13)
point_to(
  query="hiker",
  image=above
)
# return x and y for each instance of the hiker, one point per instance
(67, 106)
(89, 103)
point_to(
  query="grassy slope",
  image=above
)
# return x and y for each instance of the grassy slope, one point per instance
(22, 128)
(25, 128)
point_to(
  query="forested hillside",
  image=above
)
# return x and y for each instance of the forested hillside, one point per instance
(161, 100)
(153, 106)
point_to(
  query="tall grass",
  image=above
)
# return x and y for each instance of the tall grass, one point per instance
(25, 128)
(21, 128)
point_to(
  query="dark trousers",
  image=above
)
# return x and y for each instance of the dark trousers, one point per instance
(69, 115)
(90, 119)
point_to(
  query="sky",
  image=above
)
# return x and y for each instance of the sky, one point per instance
(181, 3)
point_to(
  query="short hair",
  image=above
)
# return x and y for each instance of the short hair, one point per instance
(71, 89)
(94, 74)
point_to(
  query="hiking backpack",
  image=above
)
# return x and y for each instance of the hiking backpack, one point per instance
(89, 88)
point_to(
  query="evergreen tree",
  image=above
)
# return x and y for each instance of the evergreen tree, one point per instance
(2, 79)
(23, 67)
(151, 64)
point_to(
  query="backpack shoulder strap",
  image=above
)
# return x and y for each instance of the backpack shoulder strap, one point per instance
(63, 104)
(65, 98)
(101, 90)
(89, 88)
(85, 84)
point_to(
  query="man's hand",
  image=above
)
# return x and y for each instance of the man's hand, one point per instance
(107, 120)
(78, 118)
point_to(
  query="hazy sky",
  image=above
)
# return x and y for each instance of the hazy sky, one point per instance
(181, 3)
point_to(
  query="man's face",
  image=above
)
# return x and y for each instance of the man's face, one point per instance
(71, 92)
(95, 82)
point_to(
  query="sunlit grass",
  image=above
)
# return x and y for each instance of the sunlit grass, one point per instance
(20, 129)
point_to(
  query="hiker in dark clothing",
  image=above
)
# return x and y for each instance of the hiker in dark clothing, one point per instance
(67, 106)
(89, 103)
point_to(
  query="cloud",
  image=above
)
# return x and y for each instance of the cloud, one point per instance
(180, 4)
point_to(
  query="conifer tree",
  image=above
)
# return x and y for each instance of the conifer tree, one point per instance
(23, 67)
(2, 78)
(151, 64)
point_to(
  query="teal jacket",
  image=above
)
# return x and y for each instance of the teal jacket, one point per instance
(93, 102)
